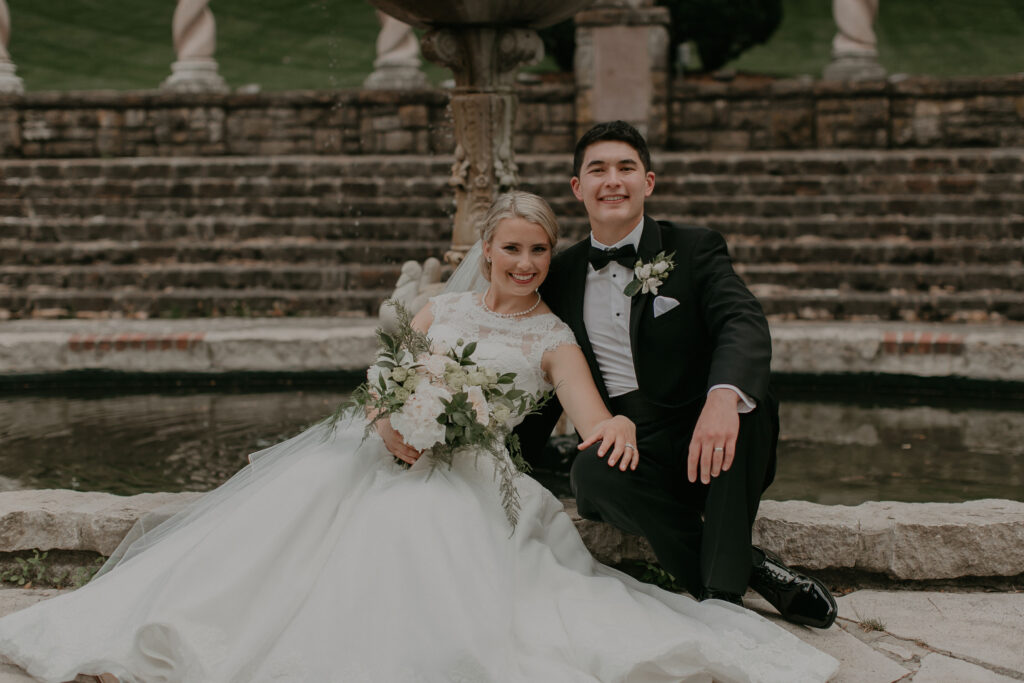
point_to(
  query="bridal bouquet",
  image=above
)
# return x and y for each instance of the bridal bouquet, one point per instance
(445, 402)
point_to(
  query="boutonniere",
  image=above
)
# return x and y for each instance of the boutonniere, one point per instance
(647, 277)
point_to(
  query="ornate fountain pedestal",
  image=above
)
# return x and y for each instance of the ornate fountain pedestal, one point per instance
(483, 103)
(483, 42)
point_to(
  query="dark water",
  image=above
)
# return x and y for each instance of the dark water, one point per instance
(835, 453)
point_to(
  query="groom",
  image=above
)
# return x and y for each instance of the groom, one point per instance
(687, 359)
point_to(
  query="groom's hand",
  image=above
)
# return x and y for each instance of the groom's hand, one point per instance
(713, 446)
(394, 442)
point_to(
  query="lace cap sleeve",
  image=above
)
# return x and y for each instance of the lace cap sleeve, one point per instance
(558, 335)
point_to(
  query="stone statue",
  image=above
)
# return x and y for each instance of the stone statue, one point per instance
(9, 82)
(854, 48)
(195, 40)
(415, 285)
(397, 66)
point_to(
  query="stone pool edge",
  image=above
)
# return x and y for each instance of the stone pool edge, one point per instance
(217, 346)
(899, 541)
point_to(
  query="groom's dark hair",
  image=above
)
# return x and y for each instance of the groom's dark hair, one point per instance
(611, 130)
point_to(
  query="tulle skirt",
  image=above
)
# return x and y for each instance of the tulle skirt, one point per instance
(324, 561)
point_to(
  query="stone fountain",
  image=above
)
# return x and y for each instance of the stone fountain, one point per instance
(483, 42)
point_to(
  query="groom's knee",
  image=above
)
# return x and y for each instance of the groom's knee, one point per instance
(594, 483)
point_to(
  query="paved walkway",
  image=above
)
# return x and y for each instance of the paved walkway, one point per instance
(296, 345)
(880, 636)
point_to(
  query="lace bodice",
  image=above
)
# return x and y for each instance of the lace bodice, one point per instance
(503, 344)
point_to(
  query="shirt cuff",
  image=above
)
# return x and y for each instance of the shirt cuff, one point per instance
(745, 405)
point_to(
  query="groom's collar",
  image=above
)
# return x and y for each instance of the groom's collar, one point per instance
(632, 238)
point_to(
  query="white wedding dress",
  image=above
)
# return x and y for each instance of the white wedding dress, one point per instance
(323, 561)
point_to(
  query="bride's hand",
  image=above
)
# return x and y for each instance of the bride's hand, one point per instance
(617, 434)
(394, 442)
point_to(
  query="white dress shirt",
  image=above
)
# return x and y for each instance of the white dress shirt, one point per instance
(606, 317)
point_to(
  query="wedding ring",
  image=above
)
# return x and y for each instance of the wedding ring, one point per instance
(719, 448)
(629, 445)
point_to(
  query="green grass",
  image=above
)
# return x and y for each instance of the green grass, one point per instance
(127, 44)
(326, 44)
(929, 37)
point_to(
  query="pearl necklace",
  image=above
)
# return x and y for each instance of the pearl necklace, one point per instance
(531, 309)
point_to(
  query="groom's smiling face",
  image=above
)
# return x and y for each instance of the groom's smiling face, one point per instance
(612, 185)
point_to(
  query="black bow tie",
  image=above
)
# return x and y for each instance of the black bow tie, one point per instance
(624, 255)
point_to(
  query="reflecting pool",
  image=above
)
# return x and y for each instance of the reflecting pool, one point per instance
(831, 452)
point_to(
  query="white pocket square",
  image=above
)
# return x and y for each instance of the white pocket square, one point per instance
(663, 304)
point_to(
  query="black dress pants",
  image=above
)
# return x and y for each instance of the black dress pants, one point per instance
(700, 533)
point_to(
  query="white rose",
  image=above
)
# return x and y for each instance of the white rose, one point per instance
(501, 413)
(644, 272)
(435, 365)
(479, 403)
(660, 267)
(417, 420)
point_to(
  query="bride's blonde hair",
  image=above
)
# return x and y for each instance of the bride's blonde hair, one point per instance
(517, 204)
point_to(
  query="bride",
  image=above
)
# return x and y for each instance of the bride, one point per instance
(324, 560)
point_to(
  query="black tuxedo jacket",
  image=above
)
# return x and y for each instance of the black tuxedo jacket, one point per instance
(716, 335)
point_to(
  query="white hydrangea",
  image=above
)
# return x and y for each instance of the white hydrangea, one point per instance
(417, 421)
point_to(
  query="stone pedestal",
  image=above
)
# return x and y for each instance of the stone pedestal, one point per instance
(622, 66)
(9, 82)
(194, 75)
(397, 66)
(484, 61)
(195, 40)
(854, 48)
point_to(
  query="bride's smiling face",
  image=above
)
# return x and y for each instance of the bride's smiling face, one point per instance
(520, 255)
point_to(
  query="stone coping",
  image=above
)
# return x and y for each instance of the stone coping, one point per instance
(902, 541)
(294, 345)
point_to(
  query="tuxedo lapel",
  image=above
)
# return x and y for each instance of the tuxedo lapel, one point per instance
(650, 245)
(575, 290)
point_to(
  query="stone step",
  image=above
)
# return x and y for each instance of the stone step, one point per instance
(769, 162)
(294, 250)
(885, 277)
(894, 251)
(697, 206)
(199, 276)
(929, 227)
(782, 303)
(283, 250)
(687, 184)
(281, 207)
(40, 229)
(192, 303)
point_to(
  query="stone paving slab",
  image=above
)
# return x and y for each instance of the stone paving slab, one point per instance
(984, 629)
(864, 656)
(217, 345)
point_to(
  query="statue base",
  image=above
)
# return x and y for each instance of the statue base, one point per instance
(854, 68)
(194, 75)
(396, 78)
(10, 84)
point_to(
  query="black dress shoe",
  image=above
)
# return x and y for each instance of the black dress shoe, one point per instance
(712, 594)
(799, 598)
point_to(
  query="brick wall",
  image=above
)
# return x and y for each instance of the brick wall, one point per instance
(740, 115)
(807, 114)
